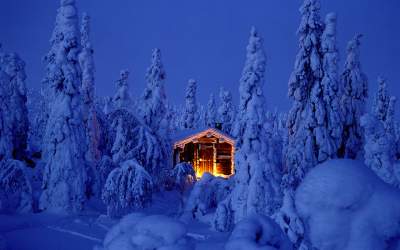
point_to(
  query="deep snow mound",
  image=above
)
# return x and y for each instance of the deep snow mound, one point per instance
(206, 194)
(137, 231)
(345, 206)
(258, 232)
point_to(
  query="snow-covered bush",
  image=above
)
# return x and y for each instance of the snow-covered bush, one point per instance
(258, 232)
(380, 136)
(15, 188)
(101, 171)
(206, 194)
(128, 187)
(223, 217)
(137, 231)
(289, 220)
(129, 139)
(344, 205)
(379, 149)
(182, 177)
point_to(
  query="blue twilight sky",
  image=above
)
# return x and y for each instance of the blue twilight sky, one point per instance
(203, 39)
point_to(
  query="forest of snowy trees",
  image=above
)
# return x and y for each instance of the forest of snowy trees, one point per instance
(63, 146)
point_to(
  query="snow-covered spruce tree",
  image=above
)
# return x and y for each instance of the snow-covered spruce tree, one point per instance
(64, 177)
(15, 188)
(190, 115)
(380, 137)
(104, 168)
(310, 141)
(355, 94)
(92, 126)
(201, 117)
(5, 129)
(309, 138)
(122, 98)
(18, 99)
(254, 185)
(99, 103)
(275, 137)
(107, 105)
(89, 112)
(380, 106)
(37, 121)
(226, 112)
(174, 117)
(130, 139)
(153, 107)
(127, 188)
(13, 111)
(330, 87)
(211, 113)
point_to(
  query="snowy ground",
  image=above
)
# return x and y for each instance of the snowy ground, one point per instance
(82, 232)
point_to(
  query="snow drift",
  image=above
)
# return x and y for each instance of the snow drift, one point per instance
(344, 205)
(258, 232)
(137, 231)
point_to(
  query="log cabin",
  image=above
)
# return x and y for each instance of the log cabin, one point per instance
(208, 150)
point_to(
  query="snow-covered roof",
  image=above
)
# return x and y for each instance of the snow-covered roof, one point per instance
(186, 136)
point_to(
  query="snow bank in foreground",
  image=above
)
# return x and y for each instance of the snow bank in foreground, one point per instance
(346, 206)
(137, 231)
(258, 232)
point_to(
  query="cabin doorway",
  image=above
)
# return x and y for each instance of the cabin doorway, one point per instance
(206, 159)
